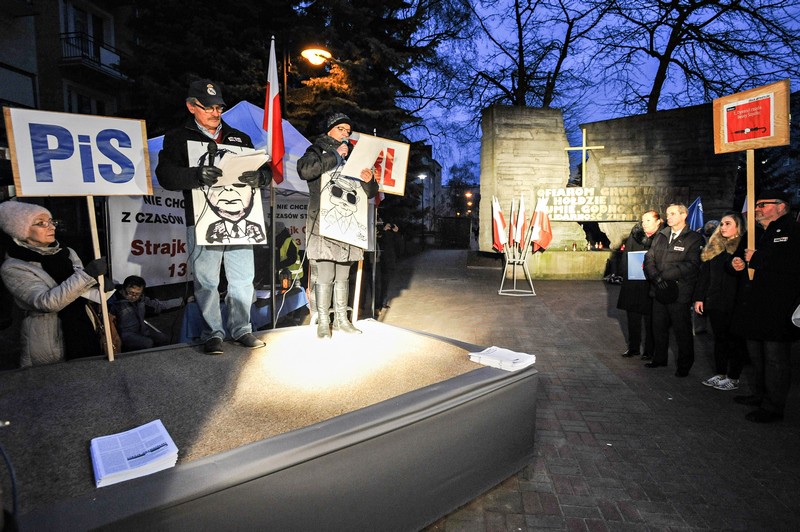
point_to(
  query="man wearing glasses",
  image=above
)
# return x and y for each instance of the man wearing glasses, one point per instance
(763, 314)
(204, 102)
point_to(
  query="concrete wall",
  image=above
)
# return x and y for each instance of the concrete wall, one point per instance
(522, 149)
(673, 148)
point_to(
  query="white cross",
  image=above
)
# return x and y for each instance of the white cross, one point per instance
(583, 148)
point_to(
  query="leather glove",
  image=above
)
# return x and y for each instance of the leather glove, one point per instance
(97, 267)
(209, 175)
(661, 283)
(256, 178)
(108, 284)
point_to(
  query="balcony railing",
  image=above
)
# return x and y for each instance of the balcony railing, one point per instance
(78, 47)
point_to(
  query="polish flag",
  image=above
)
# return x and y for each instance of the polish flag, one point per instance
(273, 123)
(500, 237)
(521, 227)
(542, 233)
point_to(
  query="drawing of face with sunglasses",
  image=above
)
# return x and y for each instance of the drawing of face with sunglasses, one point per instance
(343, 196)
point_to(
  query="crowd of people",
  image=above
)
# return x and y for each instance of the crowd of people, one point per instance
(747, 294)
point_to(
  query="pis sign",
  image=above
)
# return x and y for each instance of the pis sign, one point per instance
(63, 154)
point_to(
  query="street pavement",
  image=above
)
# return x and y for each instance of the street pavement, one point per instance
(618, 446)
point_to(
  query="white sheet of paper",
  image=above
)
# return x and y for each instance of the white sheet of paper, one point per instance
(234, 165)
(363, 156)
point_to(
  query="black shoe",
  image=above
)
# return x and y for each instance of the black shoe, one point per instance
(654, 365)
(763, 416)
(630, 353)
(647, 357)
(213, 346)
(680, 373)
(250, 341)
(749, 400)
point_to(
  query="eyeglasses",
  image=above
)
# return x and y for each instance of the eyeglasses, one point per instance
(46, 223)
(213, 109)
(338, 192)
(762, 204)
(345, 130)
(133, 294)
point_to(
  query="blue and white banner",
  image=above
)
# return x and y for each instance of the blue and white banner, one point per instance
(65, 154)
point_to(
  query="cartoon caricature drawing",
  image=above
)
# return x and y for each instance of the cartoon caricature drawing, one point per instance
(230, 212)
(343, 210)
(232, 203)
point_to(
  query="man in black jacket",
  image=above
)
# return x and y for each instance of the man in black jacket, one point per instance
(763, 314)
(176, 172)
(672, 265)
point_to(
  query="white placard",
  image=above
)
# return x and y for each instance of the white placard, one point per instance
(388, 157)
(149, 237)
(65, 154)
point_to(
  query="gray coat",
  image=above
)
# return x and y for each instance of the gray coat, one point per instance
(319, 158)
(36, 293)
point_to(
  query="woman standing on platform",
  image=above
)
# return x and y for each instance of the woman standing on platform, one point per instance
(330, 258)
(715, 296)
(634, 295)
(50, 284)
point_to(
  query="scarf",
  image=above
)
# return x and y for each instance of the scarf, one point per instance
(718, 244)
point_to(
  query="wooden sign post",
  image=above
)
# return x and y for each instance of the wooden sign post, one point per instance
(758, 118)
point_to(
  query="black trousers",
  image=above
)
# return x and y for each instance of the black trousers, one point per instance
(678, 316)
(728, 346)
(772, 372)
(635, 320)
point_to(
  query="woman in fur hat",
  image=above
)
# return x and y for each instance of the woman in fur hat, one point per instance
(715, 295)
(49, 283)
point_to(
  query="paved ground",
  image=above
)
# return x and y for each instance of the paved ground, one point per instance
(618, 446)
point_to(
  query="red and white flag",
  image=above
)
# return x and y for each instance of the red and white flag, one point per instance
(542, 233)
(500, 236)
(521, 226)
(273, 123)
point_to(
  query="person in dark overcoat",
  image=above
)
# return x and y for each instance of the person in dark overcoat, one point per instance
(672, 265)
(634, 295)
(763, 314)
(715, 297)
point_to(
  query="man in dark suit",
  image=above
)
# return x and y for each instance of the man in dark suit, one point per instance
(672, 265)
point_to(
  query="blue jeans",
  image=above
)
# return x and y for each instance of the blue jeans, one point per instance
(206, 262)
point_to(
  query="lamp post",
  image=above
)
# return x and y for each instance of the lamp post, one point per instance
(422, 178)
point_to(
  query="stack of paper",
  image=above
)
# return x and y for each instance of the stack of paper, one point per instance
(132, 454)
(498, 357)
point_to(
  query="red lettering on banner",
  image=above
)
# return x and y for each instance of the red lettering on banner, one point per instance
(384, 167)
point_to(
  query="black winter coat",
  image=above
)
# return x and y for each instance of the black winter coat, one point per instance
(718, 283)
(677, 261)
(174, 171)
(634, 296)
(765, 309)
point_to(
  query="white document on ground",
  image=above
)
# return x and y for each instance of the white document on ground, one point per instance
(636, 265)
(499, 357)
(131, 454)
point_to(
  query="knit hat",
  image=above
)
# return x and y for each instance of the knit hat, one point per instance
(16, 218)
(206, 92)
(336, 119)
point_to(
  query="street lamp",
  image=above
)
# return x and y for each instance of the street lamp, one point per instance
(422, 178)
(316, 56)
